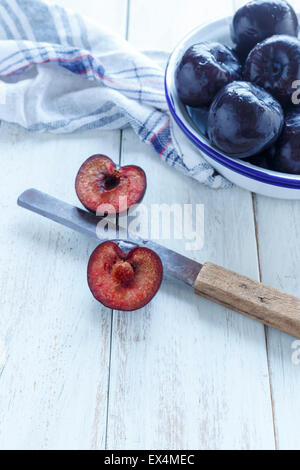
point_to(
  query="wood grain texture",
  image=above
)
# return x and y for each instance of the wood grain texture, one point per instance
(184, 371)
(251, 298)
(278, 225)
(278, 230)
(53, 382)
(54, 339)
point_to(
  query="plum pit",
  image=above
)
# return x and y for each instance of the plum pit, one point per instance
(124, 281)
(123, 272)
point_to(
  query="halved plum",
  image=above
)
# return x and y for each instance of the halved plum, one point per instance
(100, 182)
(124, 281)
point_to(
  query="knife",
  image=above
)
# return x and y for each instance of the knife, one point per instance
(231, 290)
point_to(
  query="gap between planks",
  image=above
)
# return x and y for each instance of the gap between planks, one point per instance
(127, 19)
(254, 206)
(128, 11)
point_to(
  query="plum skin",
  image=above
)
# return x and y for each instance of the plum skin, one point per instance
(286, 157)
(274, 64)
(244, 120)
(203, 70)
(262, 160)
(258, 20)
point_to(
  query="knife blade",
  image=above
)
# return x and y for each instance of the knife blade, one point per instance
(227, 288)
(175, 265)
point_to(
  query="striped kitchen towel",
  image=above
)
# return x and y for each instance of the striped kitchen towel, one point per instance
(60, 72)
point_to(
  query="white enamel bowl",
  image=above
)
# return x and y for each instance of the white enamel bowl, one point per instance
(239, 172)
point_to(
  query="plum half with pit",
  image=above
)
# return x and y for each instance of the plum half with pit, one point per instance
(244, 120)
(124, 281)
(287, 150)
(99, 183)
(274, 64)
(203, 70)
(258, 20)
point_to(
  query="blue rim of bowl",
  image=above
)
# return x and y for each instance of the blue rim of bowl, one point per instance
(229, 163)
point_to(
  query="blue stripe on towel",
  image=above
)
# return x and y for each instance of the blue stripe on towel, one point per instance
(34, 49)
(137, 68)
(15, 19)
(65, 21)
(154, 126)
(41, 22)
(161, 140)
(55, 125)
(83, 33)
(101, 122)
(6, 28)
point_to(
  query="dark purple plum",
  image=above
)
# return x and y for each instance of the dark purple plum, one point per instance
(244, 120)
(287, 150)
(274, 64)
(294, 107)
(203, 70)
(258, 20)
(263, 159)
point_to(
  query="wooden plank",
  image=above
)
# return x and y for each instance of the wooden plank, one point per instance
(166, 387)
(184, 371)
(54, 338)
(278, 225)
(53, 382)
(278, 229)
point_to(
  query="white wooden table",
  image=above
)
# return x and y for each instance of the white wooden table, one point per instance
(181, 373)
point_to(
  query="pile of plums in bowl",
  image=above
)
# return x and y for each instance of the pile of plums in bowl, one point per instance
(247, 97)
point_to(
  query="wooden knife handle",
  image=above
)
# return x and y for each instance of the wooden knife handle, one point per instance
(251, 298)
